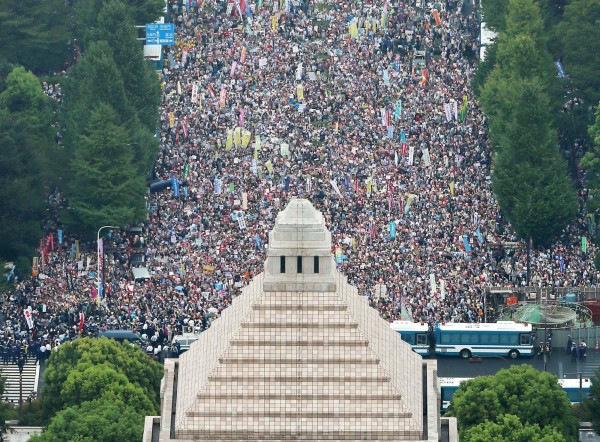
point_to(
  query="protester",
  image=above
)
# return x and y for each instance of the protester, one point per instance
(364, 109)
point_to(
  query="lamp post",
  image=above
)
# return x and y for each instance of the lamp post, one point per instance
(100, 261)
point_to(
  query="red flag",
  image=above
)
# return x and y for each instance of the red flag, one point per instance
(243, 6)
(81, 320)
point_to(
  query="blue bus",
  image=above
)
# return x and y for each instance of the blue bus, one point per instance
(414, 333)
(448, 387)
(503, 338)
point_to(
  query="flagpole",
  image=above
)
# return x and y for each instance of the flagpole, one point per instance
(99, 286)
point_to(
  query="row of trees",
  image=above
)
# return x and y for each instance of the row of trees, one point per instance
(519, 93)
(519, 404)
(106, 121)
(98, 390)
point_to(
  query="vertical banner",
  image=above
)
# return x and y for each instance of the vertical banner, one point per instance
(28, 318)
(244, 201)
(466, 244)
(452, 189)
(243, 56)
(222, 97)
(35, 267)
(411, 155)
(442, 289)
(195, 93)
(392, 230)
(336, 188)
(300, 91)
(584, 244)
(455, 109)
(77, 255)
(432, 284)
(426, 158)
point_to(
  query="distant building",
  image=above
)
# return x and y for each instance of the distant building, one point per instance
(299, 356)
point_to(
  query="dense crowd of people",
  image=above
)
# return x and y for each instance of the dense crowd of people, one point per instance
(364, 108)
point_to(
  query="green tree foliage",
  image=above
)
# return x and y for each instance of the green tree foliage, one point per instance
(101, 420)
(591, 164)
(579, 33)
(592, 404)
(35, 33)
(81, 360)
(140, 80)
(520, 391)
(508, 428)
(494, 14)
(484, 68)
(89, 382)
(6, 412)
(105, 188)
(95, 80)
(141, 12)
(519, 96)
(26, 152)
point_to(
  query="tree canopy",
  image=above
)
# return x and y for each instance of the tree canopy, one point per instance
(101, 420)
(578, 34)
(508, 428)
(35, 33)
(26, 151)
(520, 391)
(592, 404)
(105, 188)
(72, 371)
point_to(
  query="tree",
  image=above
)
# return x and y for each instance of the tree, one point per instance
(141, 82)
(591, 164)
(578, 33)
(494, 14)
(26, 153)
(592, 404)
(105, 188)
(101, 420)
(35, 33)
(6, 412)
(89, 382)
(74, 363)
(508, 428)
(521, 391)
(141, 12)
(529, 175)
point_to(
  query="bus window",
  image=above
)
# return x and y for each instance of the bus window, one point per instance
(484, 338)
(504, 339)
(421, 339)
(407, 338)
(525, 339)
(494, 339)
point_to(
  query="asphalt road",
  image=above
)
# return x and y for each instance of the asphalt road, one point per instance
(559, 364)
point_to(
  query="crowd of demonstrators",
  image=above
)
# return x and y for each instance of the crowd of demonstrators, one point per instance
(329, 101)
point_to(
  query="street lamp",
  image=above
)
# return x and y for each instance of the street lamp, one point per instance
(100, 261)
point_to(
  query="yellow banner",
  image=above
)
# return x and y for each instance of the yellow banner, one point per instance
(274, 20)
(229, 141)
(246, 138)
(452, 188)
(300, 92)
(269, 166)
(77, 255)
(237, 136)
(172, 119)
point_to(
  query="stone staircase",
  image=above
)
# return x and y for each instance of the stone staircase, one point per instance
(31, 374)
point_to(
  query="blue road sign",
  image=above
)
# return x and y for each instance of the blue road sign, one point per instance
(160, 34)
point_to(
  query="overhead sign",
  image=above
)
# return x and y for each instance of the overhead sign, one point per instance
(160, 33)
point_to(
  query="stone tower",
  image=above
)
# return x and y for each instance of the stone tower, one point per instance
(299, 356)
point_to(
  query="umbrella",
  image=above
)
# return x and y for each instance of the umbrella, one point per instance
(179, 287)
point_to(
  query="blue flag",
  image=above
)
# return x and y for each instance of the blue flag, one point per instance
(175, 186)
(480, 239)
(392, 230)
(257, 241)
(466, 243)
(402, 137)
(60, 236)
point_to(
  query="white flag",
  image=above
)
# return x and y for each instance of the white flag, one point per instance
(411, 155)
(426, 158)
(336, 188)
(432, 284)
